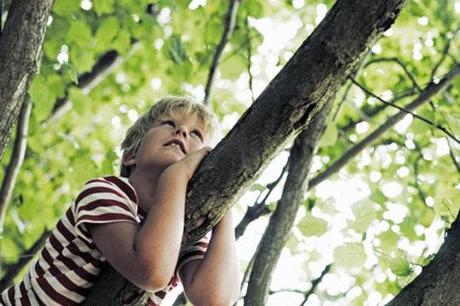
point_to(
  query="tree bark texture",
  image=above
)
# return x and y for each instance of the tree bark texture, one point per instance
(20, 52)
(299, 91)
(438, 284)
(282, 219)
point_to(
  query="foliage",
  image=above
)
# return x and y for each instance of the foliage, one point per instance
(377, 220)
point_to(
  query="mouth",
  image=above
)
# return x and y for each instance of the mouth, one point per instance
(178, 143)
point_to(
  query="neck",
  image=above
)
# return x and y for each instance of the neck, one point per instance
(145, 184)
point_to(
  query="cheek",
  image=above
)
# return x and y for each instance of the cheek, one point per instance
(196, 145)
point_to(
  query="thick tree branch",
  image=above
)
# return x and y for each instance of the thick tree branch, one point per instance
(13, 270)
(229, 26)
(17, 157)
(20, 52)
(424, 97)
(282, 219)
(300, 90)
(438, 282)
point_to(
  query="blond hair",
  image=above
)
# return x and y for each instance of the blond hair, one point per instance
(165, 106)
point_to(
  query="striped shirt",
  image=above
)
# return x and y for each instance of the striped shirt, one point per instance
(69, 263)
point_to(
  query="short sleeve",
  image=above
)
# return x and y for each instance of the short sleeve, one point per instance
(195, 252)
(100, 201)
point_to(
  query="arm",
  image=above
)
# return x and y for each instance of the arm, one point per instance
(147, 255)
(214, 280)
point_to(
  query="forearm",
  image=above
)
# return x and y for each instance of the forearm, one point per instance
(158, 241)
(217, 276)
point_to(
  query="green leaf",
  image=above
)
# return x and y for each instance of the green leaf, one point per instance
(71, 72)
(66, 8)
(103, 7)
(454, 123)
(350, 255)
(389, 240)
(400, 267)
(364, 213)
(79, 33)
(106, 32)
(312, 226)
(176, 49)
(257, 187)
(122, 42)
(330, 135)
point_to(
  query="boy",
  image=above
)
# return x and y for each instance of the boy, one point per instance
(135, 222)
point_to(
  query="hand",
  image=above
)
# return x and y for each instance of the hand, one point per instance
(190, 162)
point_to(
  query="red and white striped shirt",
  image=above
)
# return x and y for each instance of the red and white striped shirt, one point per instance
(70, 261)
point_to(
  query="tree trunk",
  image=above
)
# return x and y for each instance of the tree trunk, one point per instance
(282, 219)
(299, 91)
(438, 284)
(20, 52)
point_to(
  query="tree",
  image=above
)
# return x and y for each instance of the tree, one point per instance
(140, 37)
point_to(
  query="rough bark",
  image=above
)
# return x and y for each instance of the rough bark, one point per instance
(300, 90)
(20, 53)
(438, 283)
(282, 219)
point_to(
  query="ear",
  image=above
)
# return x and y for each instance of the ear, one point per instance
(128, 159)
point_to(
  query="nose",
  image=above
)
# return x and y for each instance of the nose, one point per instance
(180, 130)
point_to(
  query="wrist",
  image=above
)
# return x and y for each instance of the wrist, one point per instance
(175, 172)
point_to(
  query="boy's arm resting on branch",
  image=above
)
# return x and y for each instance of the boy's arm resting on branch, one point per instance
(214, 280)
(147, 255)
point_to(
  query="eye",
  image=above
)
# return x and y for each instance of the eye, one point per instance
(169, 122)
(197, 134)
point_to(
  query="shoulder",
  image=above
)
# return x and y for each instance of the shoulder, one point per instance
(109, 184)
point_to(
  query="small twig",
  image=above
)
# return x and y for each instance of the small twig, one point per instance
(416, 172)
(422, 98)
(452, 156)
(249, 52)
(398, 62)
(445, 52)
(315, 283)
(259, 208)
(229, 26)
(17, 157)
(439, 127)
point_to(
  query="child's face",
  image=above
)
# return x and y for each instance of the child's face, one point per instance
(169, 140)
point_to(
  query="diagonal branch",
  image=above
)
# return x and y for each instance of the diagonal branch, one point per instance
(17, 157)
(424, 97)
(229, 26)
